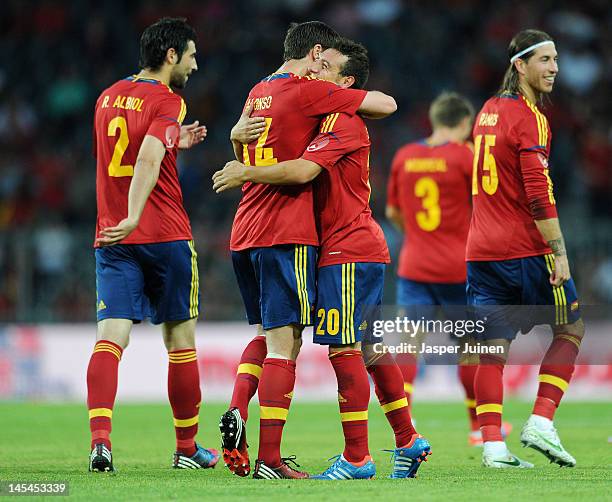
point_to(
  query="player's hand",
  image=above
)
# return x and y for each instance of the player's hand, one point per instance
(561, 273)
(191, 134)
(231, 176)
(248, 128)
(112, 235)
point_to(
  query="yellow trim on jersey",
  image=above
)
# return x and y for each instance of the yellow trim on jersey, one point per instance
(186, 422)
(470, 403)
(273, 413)
(107, 347)
(541, 121)
(408, 387)
(182, 112)
(195, 283)
(328, 123)
(348, 303)
(395, 405)
(553, 380)
(251, 369)
(489, 408)
(352, 416)
(100, 412)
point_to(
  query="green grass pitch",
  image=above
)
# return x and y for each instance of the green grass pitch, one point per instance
(51, 443)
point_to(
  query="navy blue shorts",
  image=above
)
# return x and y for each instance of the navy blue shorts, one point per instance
(137, 281)
(519, 282)
(348, 295)
(277, 284)
(419, 299)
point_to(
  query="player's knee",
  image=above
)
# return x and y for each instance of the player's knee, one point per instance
(575, 329)
(280, 342)
(115, 330)
(334, 349)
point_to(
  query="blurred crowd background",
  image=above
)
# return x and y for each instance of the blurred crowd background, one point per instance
(58, 55)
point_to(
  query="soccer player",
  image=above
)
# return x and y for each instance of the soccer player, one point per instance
(274, 241)
(352, 260)
(515, 250)
(146, 264)
(428, 199)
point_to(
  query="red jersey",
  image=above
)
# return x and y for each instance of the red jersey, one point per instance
(293, 107)
(348, 231)
(430, 185)
(510, 186)
(125, 113)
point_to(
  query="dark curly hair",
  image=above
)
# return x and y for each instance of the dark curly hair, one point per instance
(167, 33)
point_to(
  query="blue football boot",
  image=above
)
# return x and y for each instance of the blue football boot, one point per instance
(343, 469)
(406, 461)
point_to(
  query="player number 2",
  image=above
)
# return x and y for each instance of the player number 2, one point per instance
(115, 168)
(427, 190)
(333, 321)
(490, 180)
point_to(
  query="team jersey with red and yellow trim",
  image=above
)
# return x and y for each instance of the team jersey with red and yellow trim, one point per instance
(430, 185)
(347, 228)
(125, 113)
(293, 106)
(511, 186)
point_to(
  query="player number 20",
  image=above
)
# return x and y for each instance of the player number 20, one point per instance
(333, 321)
(115, 168)
(428, 191)
(490, 180)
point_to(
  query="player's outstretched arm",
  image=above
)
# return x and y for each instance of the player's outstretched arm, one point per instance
(377, 105)
(551, 232)
(289, 172)
(246, 130)
(394, 215)
(146, 173)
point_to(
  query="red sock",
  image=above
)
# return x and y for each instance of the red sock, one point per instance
(489, 388)
(467, 373)
(102, 389)
(247, 376)
(408, 366)
(185, 396)
(555, 373)
(275, 394)
(353, 398)
(389, 387)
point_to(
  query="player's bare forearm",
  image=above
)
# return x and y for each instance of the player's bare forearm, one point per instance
(377, 105)
(237, 146)
(146, 173)
(394, 215)
(551, 233)
(290, 172)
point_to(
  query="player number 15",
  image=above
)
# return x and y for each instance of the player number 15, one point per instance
(490, 179)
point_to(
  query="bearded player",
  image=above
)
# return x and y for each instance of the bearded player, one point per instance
(428, 199)
(146, 264)
(516, 252)
(351, 268)
(274, 241)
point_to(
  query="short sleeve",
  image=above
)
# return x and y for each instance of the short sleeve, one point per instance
(318, 98)
(393, 183)
(338, 137)
(168, 117)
